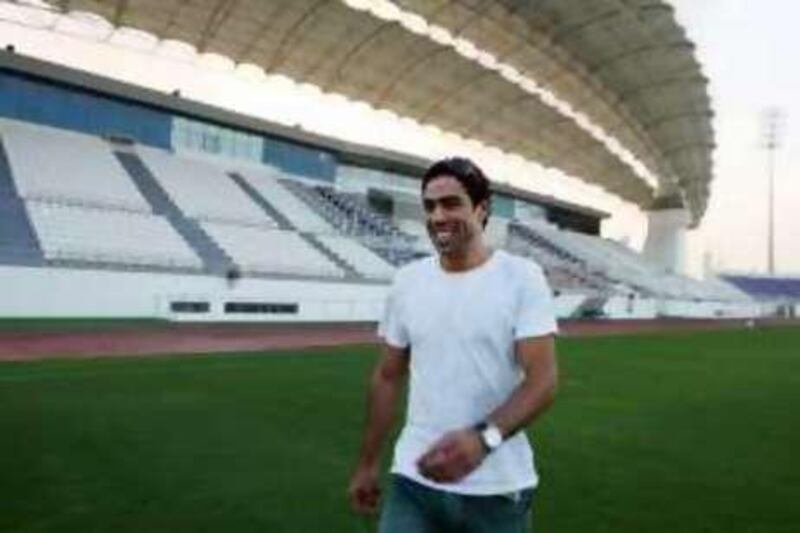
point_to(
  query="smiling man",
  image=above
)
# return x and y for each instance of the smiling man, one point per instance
(471, 330)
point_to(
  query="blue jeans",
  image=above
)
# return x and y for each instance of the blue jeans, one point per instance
(415, 508)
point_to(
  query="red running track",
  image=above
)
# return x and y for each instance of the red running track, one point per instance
(218, 338)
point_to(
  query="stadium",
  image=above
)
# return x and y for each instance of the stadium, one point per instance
(141, 218)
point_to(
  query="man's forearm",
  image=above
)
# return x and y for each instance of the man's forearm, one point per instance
(383, 392)
(530, 399)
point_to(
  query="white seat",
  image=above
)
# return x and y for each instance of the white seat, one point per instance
(295, 210)
(203, 191)
(91, 234)
(271, 251)
(364, 260)
(54, 165)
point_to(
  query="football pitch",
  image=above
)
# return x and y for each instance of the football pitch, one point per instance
(678, 432)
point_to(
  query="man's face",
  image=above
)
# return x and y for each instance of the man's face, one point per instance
(452, 221)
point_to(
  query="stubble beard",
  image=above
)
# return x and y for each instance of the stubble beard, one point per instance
(457, 241)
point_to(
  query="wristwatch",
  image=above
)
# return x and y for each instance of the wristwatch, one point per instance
(490, 435)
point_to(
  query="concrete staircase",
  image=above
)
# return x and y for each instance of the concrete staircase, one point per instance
(268, 208)
(18, 242)
(215, 260)
(286, 224)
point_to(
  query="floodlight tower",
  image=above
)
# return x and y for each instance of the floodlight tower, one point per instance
(773, 130)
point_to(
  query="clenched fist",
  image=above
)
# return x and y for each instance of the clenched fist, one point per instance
(364, 490)
(453, 456)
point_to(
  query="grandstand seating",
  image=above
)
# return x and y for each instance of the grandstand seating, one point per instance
(203, 191)
(186, 213)
(94, 178)
(94, 235)
(350, 214)
(266, 183)
(621, 268)
(362, 259)
(767, 288)
(625, 264)
(346, 211)
(271, 251)
(214, 258)
(564, 271)
(18, 243)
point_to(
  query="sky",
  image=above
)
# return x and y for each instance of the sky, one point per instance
(748, 51)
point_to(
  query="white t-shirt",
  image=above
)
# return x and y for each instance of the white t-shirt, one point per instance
(461, 328)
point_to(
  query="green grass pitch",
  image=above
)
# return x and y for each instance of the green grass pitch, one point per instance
(690, 432)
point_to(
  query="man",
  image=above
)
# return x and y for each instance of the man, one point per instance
(473, 330)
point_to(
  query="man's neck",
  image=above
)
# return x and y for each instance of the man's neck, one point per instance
(473, 257)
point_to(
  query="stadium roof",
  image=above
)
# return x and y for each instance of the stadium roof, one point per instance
(608, 91)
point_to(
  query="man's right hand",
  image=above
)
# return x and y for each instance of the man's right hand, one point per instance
(364, 490)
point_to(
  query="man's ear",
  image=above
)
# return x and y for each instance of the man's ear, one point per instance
(484, 207)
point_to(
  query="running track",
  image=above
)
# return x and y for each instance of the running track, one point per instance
(169, 338)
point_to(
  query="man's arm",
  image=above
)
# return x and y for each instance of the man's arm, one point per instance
(386, 382)
(459, 452)
(537, 357)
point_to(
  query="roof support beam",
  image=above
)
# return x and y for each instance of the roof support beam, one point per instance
(172, 19)
(689, 145)
(353, 52)
(563, 33)
(281, 51)
(636, 92)
(247, 51)
(600, 66)
(119, 11)
(452, 95)
(222, 11)
(405, 70)
(666, 119)
(499, 110)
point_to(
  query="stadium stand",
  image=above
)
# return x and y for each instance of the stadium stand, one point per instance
(598, 264)
(564, 271)
(363, 260)
(274, 214)
(342, 210)
(93, 235)
(196, 215)
(355, 218)
(215, 260)
(267, 184)
(18, 243)
(93, 179)
(202, 191)
(271, 251)
(767, 288)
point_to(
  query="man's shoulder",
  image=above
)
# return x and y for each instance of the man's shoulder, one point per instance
(416, 268)
(517, 266)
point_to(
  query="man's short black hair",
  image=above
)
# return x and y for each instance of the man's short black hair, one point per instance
(468, 174)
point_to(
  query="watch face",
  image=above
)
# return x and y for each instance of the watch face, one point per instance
(492, 437)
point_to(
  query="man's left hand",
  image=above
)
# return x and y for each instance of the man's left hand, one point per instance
(453, 456)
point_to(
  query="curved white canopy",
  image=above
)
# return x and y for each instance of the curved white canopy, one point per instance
(482, 69)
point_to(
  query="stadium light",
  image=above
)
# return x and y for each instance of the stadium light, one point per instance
(773, 136)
